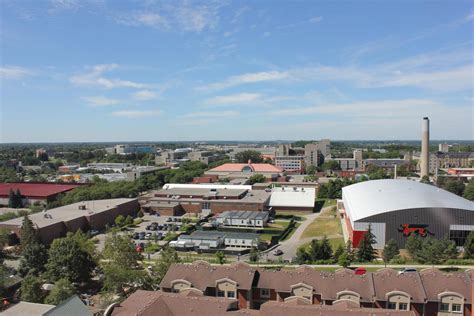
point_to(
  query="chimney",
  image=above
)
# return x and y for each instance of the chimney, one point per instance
(395, 171)
(425, 148)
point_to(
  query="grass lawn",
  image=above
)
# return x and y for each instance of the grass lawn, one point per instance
(327, 223)
(335, 242)
(273, 229)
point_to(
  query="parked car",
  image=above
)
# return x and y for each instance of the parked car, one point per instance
(136, 236)
(148, 235)
(407, 270)
(142, 235)
(360, 271)
(169, 219)
(277, 252)
(93, 232)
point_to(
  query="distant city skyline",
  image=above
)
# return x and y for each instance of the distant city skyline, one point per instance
(118, 71)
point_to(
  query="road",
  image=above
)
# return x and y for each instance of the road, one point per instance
(290, 245)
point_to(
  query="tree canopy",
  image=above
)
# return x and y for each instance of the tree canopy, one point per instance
(245, 156)
(256, 178)
(62, 290)
(366, 251)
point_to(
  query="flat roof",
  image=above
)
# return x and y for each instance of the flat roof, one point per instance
(42, 190)
(206, 186)
(254, 167)
(291, 196)
(68, 212)
(215, 235)
(376, 197)
(243, 214)
(203, 192)
(253, 196)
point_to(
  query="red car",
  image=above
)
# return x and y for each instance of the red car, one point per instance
(360, 271)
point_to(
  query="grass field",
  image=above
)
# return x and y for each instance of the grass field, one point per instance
(273, 229)
(327, 223)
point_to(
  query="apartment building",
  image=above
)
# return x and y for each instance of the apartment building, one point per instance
(428, 292)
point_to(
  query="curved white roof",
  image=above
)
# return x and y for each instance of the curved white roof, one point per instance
(375, 197)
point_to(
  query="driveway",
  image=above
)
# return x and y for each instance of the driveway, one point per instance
(291, 245)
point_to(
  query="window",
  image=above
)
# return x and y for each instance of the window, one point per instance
(444, 307)
(206, 206)
(403, 306)
(264, 292)
(220, 293)
(231, 294)
(457, 308)
(391, 305)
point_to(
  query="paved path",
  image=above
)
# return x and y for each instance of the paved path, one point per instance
(290, 246)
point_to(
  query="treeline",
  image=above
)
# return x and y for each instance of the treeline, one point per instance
(101, 189)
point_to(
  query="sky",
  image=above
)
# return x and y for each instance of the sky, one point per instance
(103, 70)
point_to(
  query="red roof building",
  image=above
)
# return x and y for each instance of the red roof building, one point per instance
(32, 192)
(245, 170)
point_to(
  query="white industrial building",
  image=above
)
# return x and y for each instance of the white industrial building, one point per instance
(293, 198)
(395, 209)
(246, 219)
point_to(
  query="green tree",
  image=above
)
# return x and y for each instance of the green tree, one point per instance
(338, 252)
(366, 251)
(8, 175)
(390, 251)
(302, 256)
(120, 250)
(168, 256)
(220, 256)
(120, 221)
(67, 259)
(325, 249)
(252, 155)
(256, 178)
(469, 190)
(413, 245)
(332, 165)
(31, 289)
(314, 250)
(34, 254)
(11, 199)
(425, 179)
(62, 290)
(469, 246)
(253, 256)
(128, 220)
(345, 259)
(454, 186)
(311, 170)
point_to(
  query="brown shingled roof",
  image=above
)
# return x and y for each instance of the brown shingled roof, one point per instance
(436, 282)
(388, 280)
(325, 283)
(148, 303)
(203, 275)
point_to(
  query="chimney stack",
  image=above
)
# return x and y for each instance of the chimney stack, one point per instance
(425, 148)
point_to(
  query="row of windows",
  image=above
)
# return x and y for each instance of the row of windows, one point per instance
(447, 307)
(229, 294)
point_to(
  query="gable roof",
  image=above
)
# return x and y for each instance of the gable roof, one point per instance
(388, 280)
(202, 275)
(437, 282)
(71, 306)
(27, 308)
(38, 190)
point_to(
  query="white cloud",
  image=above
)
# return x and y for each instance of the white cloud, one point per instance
(183, 15)
(136, 114)
(469, 17)
(316, 19)
(94, 78)
(149, 19)
(14, 72)
(212, 114)
(144, 95)
(100, 101)
(233, 99)
(245, 79)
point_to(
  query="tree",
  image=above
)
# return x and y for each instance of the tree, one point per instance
(311, 170)
(31, 289)
(344, 260)
(425, 179)
(34, 255)
(325, 249)
(330, 165)
(62, 290)
(253, 256)
(168, 256)
(390, 251)
(256, 178)
(366, 252)
(338, 252)
(120, 250)
(220, 256)
(33, 260)
(413, 245)
(120, 221)
(128, 220)
(469, 246)
(314, 250)
(249, 155)
(67, 259)
(11, 199)
(302, 256)
(469, 190)
(454, 186)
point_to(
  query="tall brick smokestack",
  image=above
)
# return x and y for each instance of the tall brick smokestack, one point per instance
(425, 147)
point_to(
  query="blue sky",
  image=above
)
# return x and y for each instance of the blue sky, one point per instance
(102, 70)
